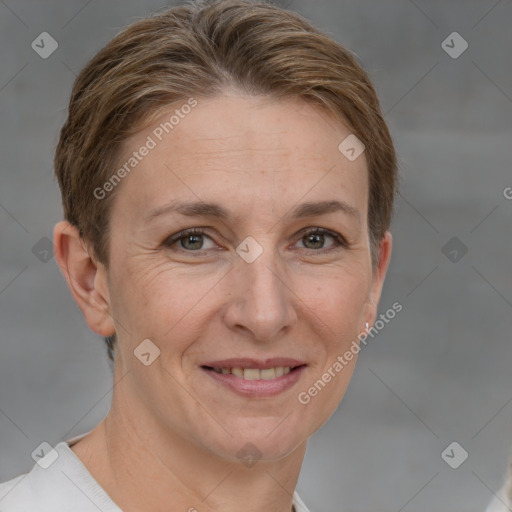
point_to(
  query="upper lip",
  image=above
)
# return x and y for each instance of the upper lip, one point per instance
(260, 364)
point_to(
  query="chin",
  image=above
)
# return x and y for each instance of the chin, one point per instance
(270, 439)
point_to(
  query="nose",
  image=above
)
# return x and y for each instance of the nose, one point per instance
(262, 300)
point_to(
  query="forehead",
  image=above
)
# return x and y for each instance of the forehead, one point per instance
(254, 152)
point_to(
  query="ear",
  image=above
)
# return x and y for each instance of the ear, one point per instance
(379, 274)
(86, 278)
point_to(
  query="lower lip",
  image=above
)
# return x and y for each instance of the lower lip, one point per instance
(257, 388)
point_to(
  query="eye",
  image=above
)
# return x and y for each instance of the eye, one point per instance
(315, 238)
(193, 240)
(190, 240)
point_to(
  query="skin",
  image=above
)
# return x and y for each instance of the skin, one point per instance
(170, 439)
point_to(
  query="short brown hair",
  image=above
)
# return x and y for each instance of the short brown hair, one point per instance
(199, 49)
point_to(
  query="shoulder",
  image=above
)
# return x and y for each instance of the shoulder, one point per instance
(8, 495)
(58, 482)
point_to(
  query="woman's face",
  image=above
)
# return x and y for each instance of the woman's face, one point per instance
(256, 283)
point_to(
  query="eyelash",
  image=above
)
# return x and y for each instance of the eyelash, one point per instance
(340, 241)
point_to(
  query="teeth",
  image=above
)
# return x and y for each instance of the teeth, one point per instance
(237, 371)
(255, 373)
(251, 374)
(267, 373)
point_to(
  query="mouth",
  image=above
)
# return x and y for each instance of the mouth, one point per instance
(255, 373)
(256, 379)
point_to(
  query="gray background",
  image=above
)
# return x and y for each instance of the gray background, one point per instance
(439, 372)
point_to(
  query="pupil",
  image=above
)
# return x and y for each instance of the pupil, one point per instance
(318, 238)
(195, 238)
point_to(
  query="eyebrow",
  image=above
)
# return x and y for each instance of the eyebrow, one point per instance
(202, 209)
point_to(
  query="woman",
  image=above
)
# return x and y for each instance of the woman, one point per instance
(228, 183)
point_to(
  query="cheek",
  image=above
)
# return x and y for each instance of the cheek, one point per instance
(157, 298)
(337, 298)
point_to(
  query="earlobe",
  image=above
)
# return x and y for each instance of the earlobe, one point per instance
(86, 279)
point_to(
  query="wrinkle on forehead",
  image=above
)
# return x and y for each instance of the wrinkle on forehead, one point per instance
(284, 165)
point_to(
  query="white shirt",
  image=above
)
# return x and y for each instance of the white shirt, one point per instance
(59, 482)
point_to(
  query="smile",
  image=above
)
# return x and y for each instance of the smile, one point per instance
(244, 379)
(255, 373)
